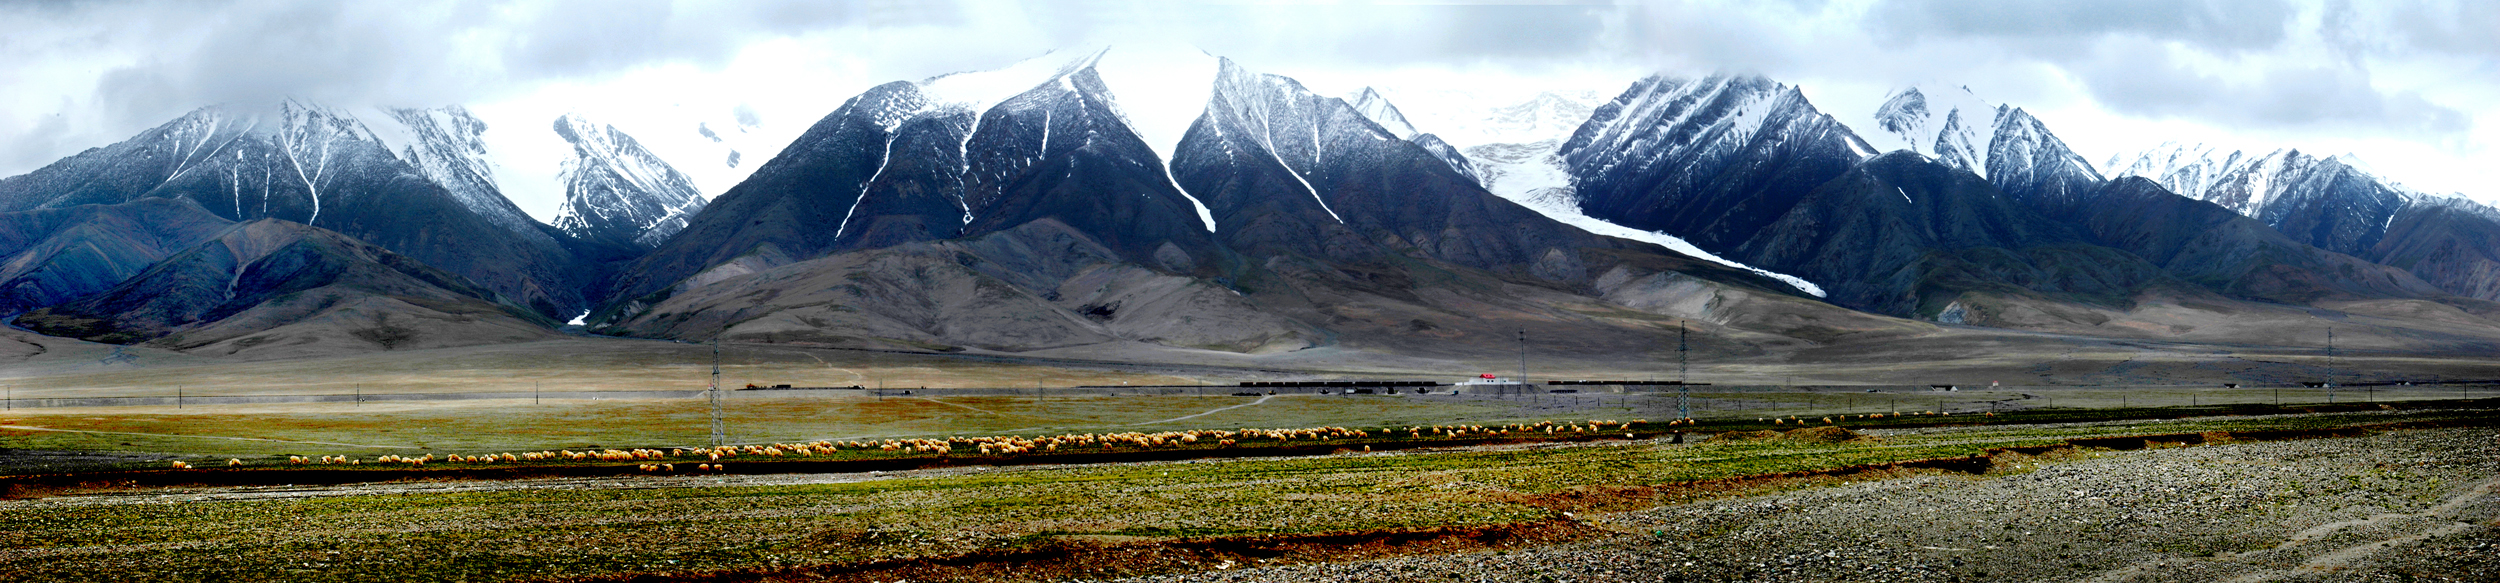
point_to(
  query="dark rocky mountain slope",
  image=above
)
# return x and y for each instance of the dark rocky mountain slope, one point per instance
(276, 288)
(49, 256)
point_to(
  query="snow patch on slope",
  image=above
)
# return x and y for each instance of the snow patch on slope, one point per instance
(1468, 118)
(1160, 91)
(1533, 176)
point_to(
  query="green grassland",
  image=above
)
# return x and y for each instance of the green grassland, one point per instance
(684, 524)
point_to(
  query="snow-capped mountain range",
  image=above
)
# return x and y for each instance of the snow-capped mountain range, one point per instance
(419, 182)
(1154, 176)
(2265, 187)
(2325, 201)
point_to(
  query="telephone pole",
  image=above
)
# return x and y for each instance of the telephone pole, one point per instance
(720, 435)
(2330, 364)
(1683, 374)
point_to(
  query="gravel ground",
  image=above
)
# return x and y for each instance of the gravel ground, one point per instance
(2402, 506)
(36, 461)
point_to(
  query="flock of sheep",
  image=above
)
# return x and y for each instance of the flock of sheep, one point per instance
(1830, 420)
(663, 461)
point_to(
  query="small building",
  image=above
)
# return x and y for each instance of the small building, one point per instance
(1488, 384)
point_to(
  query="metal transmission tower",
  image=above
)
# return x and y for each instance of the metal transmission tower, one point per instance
(1523, 360)
(720, 434)
(1683, 375)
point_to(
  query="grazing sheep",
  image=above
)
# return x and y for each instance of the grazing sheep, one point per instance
(182, 466)
(231, 462)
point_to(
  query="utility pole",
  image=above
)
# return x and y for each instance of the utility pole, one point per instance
(1683, 375)
(720, 435)
(177, 396)
(1523, 359)
(2330, 360)
(533, 392)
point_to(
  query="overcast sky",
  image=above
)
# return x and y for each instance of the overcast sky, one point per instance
(2411, 87)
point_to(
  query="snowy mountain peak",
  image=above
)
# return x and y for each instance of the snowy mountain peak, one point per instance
(448, 146)
(978, 91)
(616, 190)
(1667, 118)
(1159, 90)
(2325, 201)
(1949, 124)
(1380, 111)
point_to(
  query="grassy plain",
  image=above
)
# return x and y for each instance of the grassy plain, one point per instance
(681, 525)
(259, 433)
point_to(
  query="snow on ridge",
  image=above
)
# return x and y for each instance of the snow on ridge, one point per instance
(1160, 92)
(1533, 176)
(1377, 108)
(1752, 112)
(1951, 124)
(982, 90)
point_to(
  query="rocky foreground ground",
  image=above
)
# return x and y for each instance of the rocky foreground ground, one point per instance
(2401, 506)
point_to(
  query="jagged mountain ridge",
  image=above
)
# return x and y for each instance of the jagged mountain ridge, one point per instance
(1378, 109)
(1901, 233)
(2320, 201)
(321, 166)
(1710, 160)
(1273, 191)
(417, 181)
(447, 145)
(1278, 197)
(1999, 142)
(614, 190)
(2336, 204)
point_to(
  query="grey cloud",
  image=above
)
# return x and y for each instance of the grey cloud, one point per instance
(2064, 24)
(1360, 34)
(2453, 27)
(2143, 78)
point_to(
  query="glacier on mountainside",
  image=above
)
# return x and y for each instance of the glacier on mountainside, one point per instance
(1533, 176)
